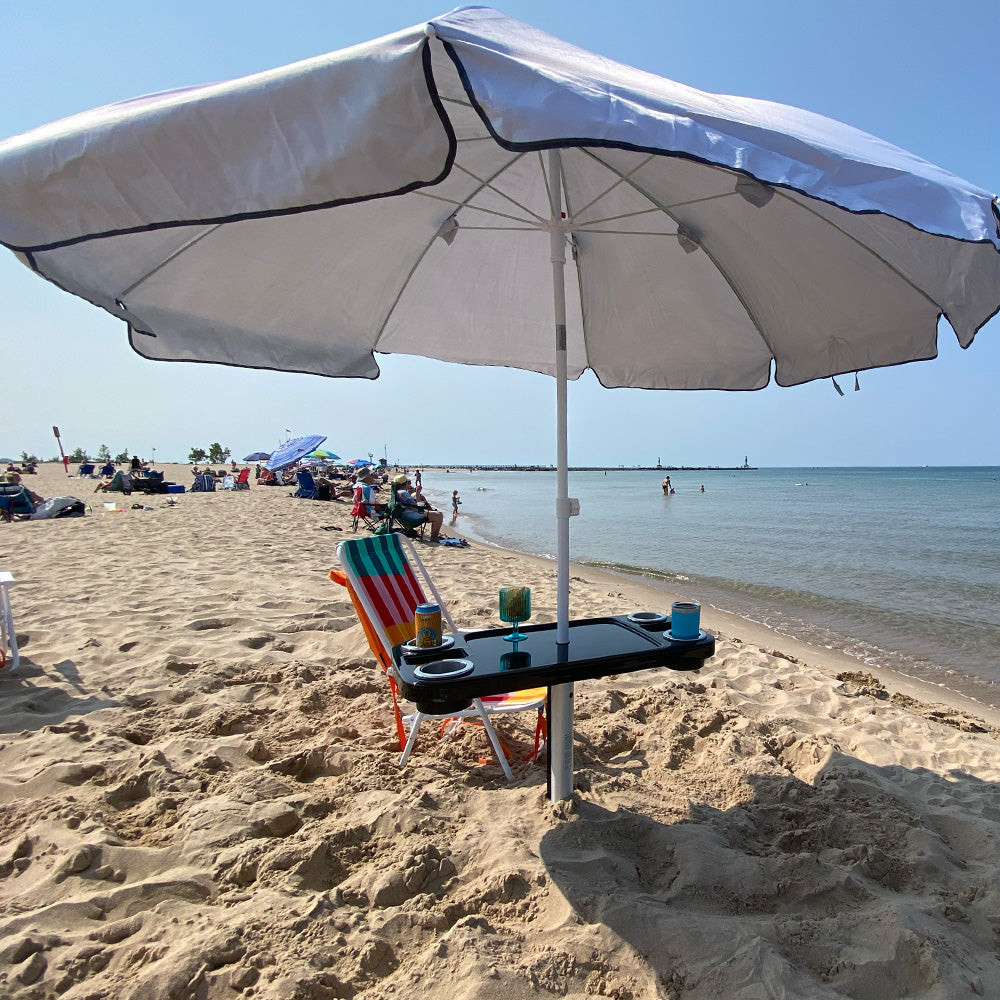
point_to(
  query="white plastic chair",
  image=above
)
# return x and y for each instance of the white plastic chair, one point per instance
(9, 656)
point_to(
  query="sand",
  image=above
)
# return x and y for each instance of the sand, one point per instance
(199, 795)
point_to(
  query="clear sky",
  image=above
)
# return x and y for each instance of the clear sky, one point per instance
(923, 75)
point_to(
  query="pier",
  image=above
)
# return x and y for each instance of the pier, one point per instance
(592, 468)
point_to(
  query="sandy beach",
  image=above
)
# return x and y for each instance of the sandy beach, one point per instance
(200, 798)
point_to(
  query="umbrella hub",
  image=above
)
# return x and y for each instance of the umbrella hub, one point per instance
(563, 225)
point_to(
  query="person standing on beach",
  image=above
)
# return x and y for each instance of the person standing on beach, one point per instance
(455, 501)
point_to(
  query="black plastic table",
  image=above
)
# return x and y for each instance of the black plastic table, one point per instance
(598, 647)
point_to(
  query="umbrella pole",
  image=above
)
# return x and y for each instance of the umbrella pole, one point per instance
(561, 696)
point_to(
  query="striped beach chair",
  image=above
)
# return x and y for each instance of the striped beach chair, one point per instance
(379, 576)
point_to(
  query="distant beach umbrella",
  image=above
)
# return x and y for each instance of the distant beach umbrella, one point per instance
(258, 456)
(328, 455)
(359, 461)
(711, 240)
(294, 450)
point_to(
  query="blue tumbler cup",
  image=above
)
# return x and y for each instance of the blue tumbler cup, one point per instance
(685, 620)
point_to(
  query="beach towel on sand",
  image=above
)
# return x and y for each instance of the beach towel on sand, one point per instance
(59, 507)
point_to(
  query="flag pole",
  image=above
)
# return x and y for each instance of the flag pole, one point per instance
(65, 460)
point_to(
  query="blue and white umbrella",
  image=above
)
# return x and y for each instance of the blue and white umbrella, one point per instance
(294, 450)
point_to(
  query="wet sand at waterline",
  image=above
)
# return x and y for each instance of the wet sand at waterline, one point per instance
(200, 798)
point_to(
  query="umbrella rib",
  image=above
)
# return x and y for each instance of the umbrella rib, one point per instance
(804, 204)
(475, 208)
(720, 270)
(650, 211)
(621, 179)
(464, 203)
(166, 260)
(620, 232)
(488, 183)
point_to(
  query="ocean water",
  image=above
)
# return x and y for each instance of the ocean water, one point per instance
(899, 567)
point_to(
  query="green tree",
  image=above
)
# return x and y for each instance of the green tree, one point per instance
(217, 454)
(27, 459)
(103, 454)
(197, 455)
(121, 457)
(79, 455)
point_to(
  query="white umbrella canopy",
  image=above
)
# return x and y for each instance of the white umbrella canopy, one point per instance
(419, 194)
(288, 220)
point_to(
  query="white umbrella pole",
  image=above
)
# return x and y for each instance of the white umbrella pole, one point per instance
(560, 696)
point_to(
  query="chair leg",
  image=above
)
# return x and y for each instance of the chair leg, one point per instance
(8, 638)
(491, 733)
(415, 721)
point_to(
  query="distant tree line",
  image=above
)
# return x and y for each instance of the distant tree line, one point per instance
(216, 454)
(80, 455)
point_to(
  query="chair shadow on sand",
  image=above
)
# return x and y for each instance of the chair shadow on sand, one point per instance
(868, 882)
(27, 705)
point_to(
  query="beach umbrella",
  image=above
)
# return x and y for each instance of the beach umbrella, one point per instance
(257, 456)
(326, 455)
(476, 191)
(294, 450)
(359, 461)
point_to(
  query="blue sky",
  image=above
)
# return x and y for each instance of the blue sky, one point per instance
(923, 75)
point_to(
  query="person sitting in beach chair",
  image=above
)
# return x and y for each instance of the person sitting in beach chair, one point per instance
(408, 513)
(86, 469)
(365, 508)
(307, 485)
(121, 482)
(107, 470)
(243, 479)
(204, 482)
(378, 572)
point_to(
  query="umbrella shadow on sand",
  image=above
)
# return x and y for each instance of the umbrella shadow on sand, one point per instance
(30, 706)
(864, 882)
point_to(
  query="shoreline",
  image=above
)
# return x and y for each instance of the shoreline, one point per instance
(831, 661)
(200, 792)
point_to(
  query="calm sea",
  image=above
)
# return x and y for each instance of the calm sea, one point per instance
(898, 567)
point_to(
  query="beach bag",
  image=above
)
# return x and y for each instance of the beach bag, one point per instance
(59, 507)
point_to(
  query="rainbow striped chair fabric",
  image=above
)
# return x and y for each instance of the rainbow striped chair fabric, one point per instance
(379, 576)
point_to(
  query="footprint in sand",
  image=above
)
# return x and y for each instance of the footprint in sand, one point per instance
(205, 624)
